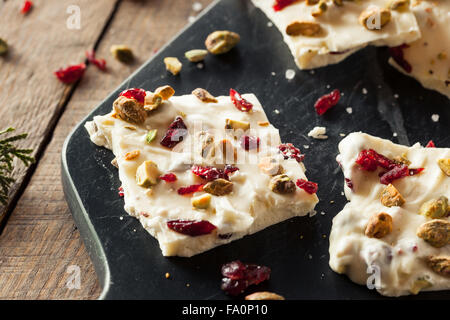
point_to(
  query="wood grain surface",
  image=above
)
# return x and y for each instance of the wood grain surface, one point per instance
(40, 242)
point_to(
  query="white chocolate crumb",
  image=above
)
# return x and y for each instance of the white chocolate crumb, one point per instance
(364, 91)
(349, 110)
(318, 133)
(290, 74)
(394, 134)
(276, 111)
(305, 146)
(342, 134)
(197, 6)
(191, 19)
(396, 96)
(435, 117)
(269, 24)
(273, 74)
(200, 65)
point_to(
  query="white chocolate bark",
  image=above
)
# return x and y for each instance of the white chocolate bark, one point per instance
(399, 256)
(429, 56)
(251, 207)
(343, 34)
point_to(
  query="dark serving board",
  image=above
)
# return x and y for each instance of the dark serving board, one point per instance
(128, 260)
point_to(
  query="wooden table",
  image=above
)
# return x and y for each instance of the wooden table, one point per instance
(39, 241)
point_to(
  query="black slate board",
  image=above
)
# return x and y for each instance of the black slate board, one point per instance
(128, 260)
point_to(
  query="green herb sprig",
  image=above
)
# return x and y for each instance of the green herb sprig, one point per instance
(7, 153)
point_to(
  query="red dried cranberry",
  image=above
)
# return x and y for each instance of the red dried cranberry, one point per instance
(308, 186)
(134, 93)
(190, 189)
(430, 144)
(397, 172)
(230, 169)
(234, 287)
(349, 183)
(370, 159)
(240, 103)
(238, 276)
(121, 193)
(289, 151)
(413, 172)
(175, 133)
(250, 142)
(71, 73)
(26, 7)
(191, 228)
(397, 54)
(212, 173)
(281, 4)
(327, 101)
(169, 177)
(99, 63)
(234, 270)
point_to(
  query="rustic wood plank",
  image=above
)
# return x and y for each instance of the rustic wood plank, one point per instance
(40, 240)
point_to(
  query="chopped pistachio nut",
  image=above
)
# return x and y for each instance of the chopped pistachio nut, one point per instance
(282, 184)
(129, 110)
(201, 202)
(435, 208)
(204, 95)
(218, 187)
(402, 159)
(173, 65)
(270, 166)
(439, 264)
(122, 53)
(220, 42)
(264, 295)
(132, 155)
(165, 92)
(379, 225)
(436, 232)
(374, 18)
(152, 101)
(399, 5)
(151, 135)
(419, 284)
(444, 164)
(3, 47)
(237, 125)
(390, 197)
(196, 55)
(303, 28)
(321, 8)
(206, 141)
(147, 174)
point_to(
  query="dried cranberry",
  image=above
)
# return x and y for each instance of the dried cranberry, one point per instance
(308, 186)
(370, 159)
(281, 4)
(430, 144)
(229, 169)
(71, 74)
(349, 183)
(240, 103)
(212, 173)
(250, 142)
(238, 276)
(397, 172)
(398, 55)
(327, 101)
(234, 287)
(175, 133)
(26, 7)
(134, 93)
(191, 228)
(121, 193)
(289, 151)
(234, 270)
(99, 63)
(169, 177)
(190, 189)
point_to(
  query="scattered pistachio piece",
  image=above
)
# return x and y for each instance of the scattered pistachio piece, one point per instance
(270, 166)
(152, 101)
(282, 184)
(420, 284)
(379, 225)
(129, 110)
(147, 174)
(399, 5)
(173, 65)
(204, 95)
(321, 8)
(402, 159)
(435, 208)
(304, 28)
(436, 232)
(444, 164)
(439, 264)
(196, 55)
(237, 125)
(132, 155)
(375, 18)
(264, 295)
(122, 53)
(201, 202)
(151, 135)
(3, 47)
(390, 197)
(165, 92)
(218, 187)
(220, 42)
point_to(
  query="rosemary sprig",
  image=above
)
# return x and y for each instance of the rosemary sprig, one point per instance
(7, 153)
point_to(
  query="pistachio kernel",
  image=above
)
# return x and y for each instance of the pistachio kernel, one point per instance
(201, 202)
(303, 28)
(436, 232)
(390, 197)
(282, 184)
(220, 42)
(379, 225)
(122, 53)
(165, 92)
(129, 110)
(147, 174)
(237, 125)
(204, 95)
(173, 65)
(151, 135)
(402, 159)
(264, 295)
(152, 101)
(435, 208)
(374, 18)
(444, 164)
(3, 47)
(439, 264)
(321, 8)
(196, 55)
(132, 155)
(399, 5)
(420, 284)
(218, 187)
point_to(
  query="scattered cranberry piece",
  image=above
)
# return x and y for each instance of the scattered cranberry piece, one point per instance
(212, 173)
(27, 5)
(250, 142)
(349, 183)
(281, 4)
(99, 63)
(370, 159)
(308, 186)
(191, 228)
(121, 193)
(289, 151)
(327, 101)
(397, 172)
(397, 54)
(230, 169)
(240, 103)
(71, 73)
(430, 144)
(238, 276)
(190, 189)
(169, 177)
(134, 93)
(175, 133)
